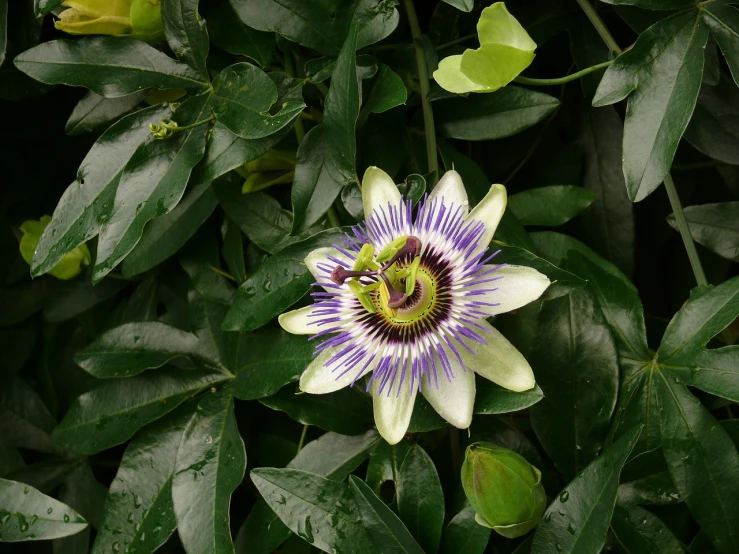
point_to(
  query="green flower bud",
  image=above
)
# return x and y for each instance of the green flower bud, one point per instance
(274, 167)
(503, 488)
(135, 18)
(71, 263)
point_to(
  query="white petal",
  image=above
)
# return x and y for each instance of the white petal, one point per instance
(318, 378)
(489, 211)
(499, 361)
(320, 265)
(516, 286)
(451, 188)
(454, 399)
(393, 412)
(378, 189)
(299, 322)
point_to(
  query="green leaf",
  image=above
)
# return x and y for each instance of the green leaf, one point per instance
(322, 27)
(494, 399)
(420, 499)
(22, 301)
(186, 33)
(82, 492)
(656, 489)
(233, 249)
(641, 532)
(274, 358)
(28, 515)
(151, 185)
(576, 365)
(703, 463)
(619, 301)
(42, 7)
(25, 420)
(463, 6)
(661, 75)
(76, 297)
(94, 111)
(108, 66)
(464, 534)
(333, 456)
(276, 284)
(550, 206)
(87, 202)
(321, 511)
(210, 465)
(563, 282)
(326, 156)
(654, 4)
(723, 21)
(610, 221)
(715, 226)
(243, 97)
(164, 236)
(259, 216)
(698, 321)
(387, 92)
(577, 521)
(138, 511)
(346, 411)
(501, 114)
(713, 127)
(111, 413)
(383, 526)
(228, 33)
(226, 151)
(131, 348)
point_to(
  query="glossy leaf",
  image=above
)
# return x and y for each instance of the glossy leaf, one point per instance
(274, 358)
(713, 127)
(186, 33)
(715, 226)
(28, 515)
(494, 399)
(420, 499)
(550, 206)
(42, 7)
(243, 97)
(25, 420)
(258, 215)
(210, 465)
(641, 532)
(464, 534)
(138, 511)
(576, 365)
(94, 111)
(151, 185)
(164, 236)
(317, 26)
(723, 20)
(497, 115)
(276, 284)
(107, 66)
(653, 490)
(661, 100)
(703, 462)
(388, 91)
(577, 521)
(326, 157)
(131, 348)
(228, 33)
(87, 202)
(346, 411)
(111, 413)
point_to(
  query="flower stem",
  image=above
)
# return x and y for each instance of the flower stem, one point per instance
(423, 78)
(223, 274)
(561, 80)
(682, 225)
(600, 27)
(302, 438)
(333, 217)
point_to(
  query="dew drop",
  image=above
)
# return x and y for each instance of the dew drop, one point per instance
(116, 547)
(66, 518)
(564, 496)
(49, 510)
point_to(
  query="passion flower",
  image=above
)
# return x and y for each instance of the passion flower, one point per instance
(406, 296)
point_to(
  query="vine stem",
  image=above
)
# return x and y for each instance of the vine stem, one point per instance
(682, 225)
(677, 208)
(423, 77)
(561, 80)
(302, 438)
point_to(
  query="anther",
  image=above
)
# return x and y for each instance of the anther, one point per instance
(412, 246)
(339, 274)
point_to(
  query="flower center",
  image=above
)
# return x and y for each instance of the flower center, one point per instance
(416, 305)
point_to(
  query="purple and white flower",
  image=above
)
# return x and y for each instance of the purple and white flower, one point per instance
(404, 300)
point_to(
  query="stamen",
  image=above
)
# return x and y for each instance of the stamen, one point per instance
(412, 246)
(396, 299)
(339, 274)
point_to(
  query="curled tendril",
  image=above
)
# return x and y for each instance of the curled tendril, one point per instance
(163, 130)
